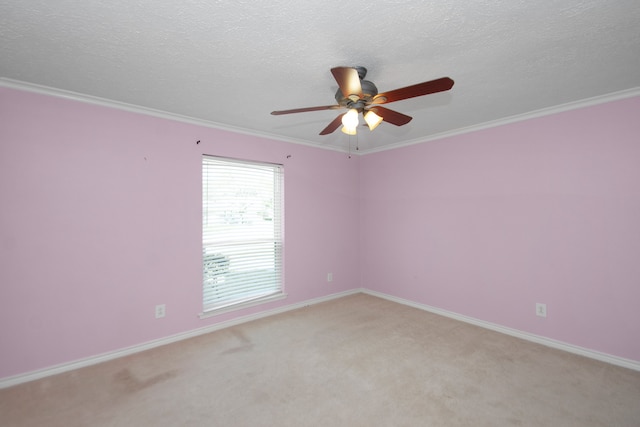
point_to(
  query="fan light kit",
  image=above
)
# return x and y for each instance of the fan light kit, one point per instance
(350, 122)
(361, 96)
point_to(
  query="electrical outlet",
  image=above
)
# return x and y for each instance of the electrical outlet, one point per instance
(541, 309)
(329, 277)
(160, 311)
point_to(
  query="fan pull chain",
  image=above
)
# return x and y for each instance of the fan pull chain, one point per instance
(357, 144)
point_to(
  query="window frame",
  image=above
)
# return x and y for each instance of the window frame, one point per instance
(215, 263)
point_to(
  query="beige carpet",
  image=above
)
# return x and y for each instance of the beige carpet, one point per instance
(355, 361)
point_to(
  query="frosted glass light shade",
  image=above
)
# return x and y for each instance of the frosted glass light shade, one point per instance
(350, 119)
(372, 119)
(348, 131)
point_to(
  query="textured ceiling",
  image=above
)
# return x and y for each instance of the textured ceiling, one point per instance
(232, 62)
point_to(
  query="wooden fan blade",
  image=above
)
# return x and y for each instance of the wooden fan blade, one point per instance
(348, 80)
(304, 110)
(335, 124)
(391, 116)
(420, 89)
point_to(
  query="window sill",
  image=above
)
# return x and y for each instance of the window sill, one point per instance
(234, 307)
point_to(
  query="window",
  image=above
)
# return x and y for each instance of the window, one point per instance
(241, 232)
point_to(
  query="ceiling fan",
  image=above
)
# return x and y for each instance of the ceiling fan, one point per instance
(361, 96)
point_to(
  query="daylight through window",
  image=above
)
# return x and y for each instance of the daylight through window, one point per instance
(241, 232)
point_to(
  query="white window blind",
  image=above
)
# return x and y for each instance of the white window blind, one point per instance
(241, 232)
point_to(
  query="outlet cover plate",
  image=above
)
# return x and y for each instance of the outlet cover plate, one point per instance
(160, 311)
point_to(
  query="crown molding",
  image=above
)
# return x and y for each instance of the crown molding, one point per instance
(75, 96)
(132, 108)
(603, 99)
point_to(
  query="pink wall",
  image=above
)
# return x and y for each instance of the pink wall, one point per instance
(488, 223)
(100, 221)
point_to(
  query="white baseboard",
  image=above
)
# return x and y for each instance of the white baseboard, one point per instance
(603, 357)
(93, 360)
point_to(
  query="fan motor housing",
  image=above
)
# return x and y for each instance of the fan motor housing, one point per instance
(369, 90)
